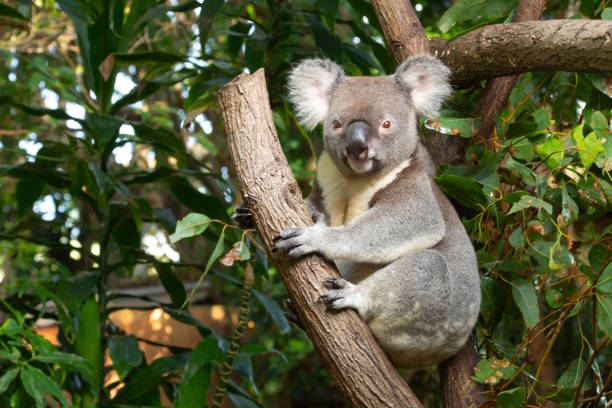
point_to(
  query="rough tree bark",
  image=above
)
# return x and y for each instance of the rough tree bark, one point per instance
(349, 351)
(458, 389)
(552, 45)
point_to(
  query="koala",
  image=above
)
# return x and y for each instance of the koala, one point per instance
(407, 264)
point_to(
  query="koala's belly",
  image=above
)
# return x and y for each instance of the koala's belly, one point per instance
(418, 344)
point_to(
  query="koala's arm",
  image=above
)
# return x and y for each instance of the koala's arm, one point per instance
(391, 228)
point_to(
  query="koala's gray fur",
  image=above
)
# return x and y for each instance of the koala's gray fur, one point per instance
(407, 264)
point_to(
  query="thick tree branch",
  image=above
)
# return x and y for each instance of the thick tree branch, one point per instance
(349, 351)
(514, 48)
(402, 29)
(497, 90)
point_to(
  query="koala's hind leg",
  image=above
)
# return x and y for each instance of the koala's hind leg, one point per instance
(407, 303)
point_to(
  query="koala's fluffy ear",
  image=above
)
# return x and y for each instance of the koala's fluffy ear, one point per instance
(310, 84)
(426, 79)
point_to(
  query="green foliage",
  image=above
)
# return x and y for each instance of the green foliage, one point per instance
(111, 133)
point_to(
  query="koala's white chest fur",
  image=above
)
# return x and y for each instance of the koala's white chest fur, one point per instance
(346, 198)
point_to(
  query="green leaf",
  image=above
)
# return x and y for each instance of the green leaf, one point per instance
(360, 57)
(196, 201)
(256, 349)
(465, 126)
(88, 342)
(329, 8)
(465, 191)
(526, 300)
(166, 218)
(11, 12)
(275, 311)
(329, 44)
(604, 283)
(206, 352)
(474, 10)
(589, 147)
(103, 128)
(517, 239)
(546, 151)
(70, 361)
(240, 401)
(569, 209)
(197, 373)
(528, 201)
(255, 52)
(491, 371)
(604, 314)
(125, 353)
(172, 284)
(195, 391)
(193, 224)
(606, 14)
(596, 120)
(14, 355)
(209, 10)
(216, 254)
(571, 377)
(511, 398)
(159, 137)
(27, 192)
(7, 378)
(75, 9)
(554, 298)
(37, 384)
(492, 301)
(144, 379)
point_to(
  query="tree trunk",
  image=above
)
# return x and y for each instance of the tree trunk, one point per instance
(514, 48)
(350, 353)
(497, 90)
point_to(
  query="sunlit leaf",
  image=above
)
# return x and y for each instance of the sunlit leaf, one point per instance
(38, 385)
(193, 224)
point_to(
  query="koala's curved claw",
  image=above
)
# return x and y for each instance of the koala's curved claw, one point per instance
(301, 250)
(243, 217)
(334, 283)
(289, 233)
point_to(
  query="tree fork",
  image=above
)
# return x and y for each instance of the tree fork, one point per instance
(348, 349)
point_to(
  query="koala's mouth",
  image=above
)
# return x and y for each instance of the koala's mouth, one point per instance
(360, 165)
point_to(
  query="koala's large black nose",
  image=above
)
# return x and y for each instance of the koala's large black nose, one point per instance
(358, 139)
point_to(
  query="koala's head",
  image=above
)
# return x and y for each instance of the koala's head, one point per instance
(369, 123)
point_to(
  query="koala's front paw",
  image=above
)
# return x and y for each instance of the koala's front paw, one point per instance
(299, 241)
(343, 294)
(243, 217)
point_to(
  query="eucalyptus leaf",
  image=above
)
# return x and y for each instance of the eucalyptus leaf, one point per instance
(526, 300)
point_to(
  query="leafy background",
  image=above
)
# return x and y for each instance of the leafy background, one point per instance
(113, 159)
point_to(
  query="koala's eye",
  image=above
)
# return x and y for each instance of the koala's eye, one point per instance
(386, 124)
(336, 124)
